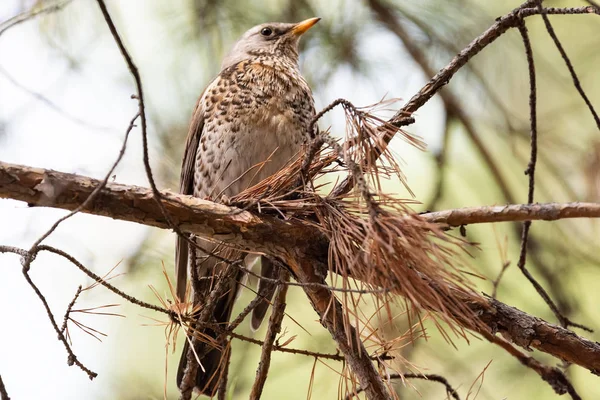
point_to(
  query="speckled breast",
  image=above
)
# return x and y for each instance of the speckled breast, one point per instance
(256, 118)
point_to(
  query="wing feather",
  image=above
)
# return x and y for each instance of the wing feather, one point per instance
(186, 186)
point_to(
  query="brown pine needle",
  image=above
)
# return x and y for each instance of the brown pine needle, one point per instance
(89, 330)
(105, 277)
(480, 379)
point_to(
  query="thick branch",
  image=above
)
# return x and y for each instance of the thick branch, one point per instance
(294, 240)
(531, 332)
(41, 187)
(344, 334)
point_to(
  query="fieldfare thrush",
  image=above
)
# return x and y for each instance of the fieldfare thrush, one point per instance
(250, 121)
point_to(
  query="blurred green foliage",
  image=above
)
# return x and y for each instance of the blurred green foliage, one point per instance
(178, 46)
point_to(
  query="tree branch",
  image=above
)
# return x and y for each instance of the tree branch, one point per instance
(295, 240)
(502, 24)
(41, 187)
(427, 377)
(275, 321)
(514, 213)
(530, 332)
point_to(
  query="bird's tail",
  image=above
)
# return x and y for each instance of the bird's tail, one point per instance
(266, 290)
(211, 370)
(209, 349)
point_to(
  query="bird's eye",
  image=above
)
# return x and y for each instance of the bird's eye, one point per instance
(266, 31)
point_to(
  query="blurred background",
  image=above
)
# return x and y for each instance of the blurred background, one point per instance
(65, 104)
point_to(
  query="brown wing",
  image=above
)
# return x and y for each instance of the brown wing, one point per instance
(186, 186)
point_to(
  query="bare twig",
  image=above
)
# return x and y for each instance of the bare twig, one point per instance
(247, 310)
(50, 104)
(222, 392)
(554, 376)
(103, 282)
(72, 358)
(32, 13)
(142, 112)
(63, 328)
(513, 213)
(193, 356)
(273, 330)
(530, 171)
(511, 20)
(440, 159)
(427, 377)
(303, 352)
(344, 334)
(26, 254)
(96, 190)
(532, 332)
(501, 25)
(15, 250)
(140, 97)
(496, 281)
(451, 103)
(568, 62)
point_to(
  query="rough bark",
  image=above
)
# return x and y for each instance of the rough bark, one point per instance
(303, 248)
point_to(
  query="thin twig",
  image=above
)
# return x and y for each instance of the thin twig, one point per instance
(188, 382)
(273, 330)
(29, 256)
(32, 13)
(96, 190)
(436, 83)
(142, 111)
(15, 250)
(302, 352)
(530, 171)
(318, 139)
(53, 106)
(568, 62)
(428, 377)
(554, 376)
(72, 358)
(222, 391)
(451, 102)
(441, 158)
(247, 310)
(103, 282)
(331, 316)
(501, 25)
(496, 281)
(63, 328)
(593, 3)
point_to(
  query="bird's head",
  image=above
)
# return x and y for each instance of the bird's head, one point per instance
(275, 38)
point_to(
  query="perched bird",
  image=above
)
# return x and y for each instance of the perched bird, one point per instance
(251, 120)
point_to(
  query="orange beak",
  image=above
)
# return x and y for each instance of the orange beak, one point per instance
(303, 26)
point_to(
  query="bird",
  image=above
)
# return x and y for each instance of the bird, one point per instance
(249, 122)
